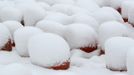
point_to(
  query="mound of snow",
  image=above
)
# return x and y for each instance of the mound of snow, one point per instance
(85, 19)
(12, 26)
(58, 17)
(130, 61)
(48, 50)
(111, 29)
(115, 3)
(131, 15)
(21, 37)
(125, 6)
(15, 69)
(51, 27)
(80, 35)
(101, 3)
(10, 13)
(50, 2)
(4, 35)
(87, 4)
(68, 9)
(64, 2)
(105, 14)
(4, 3)
(9, 57)
(44, 5)
(33, 14)
(116, 49)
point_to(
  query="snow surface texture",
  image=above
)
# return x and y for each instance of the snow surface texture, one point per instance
(68, 9)
(58, 17)
(105, 14)
(32, 14)
(51, 27)
(116, 49)
(44, 5)
(115, 3)
(125, 6)
(15, 69)
(10, 13)
(4, 35)
(48, 50)
(25, 33)
(12, 26)
(85, 19)
(130, 61)
(90, 5)
(111, 29)
(131, 15)
(80, 35)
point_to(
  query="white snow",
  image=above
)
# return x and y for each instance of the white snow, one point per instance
(58, 17)
(48, 50)
(111, 29)
(65, 2)
(50, 2)
(105, 14)
(12, 26)
(74, 20)
(10, 13)
(85, 19)
(4, 35)
(116, 49)
(131, 15)
(15, 69)
(9, 57)
(87, 4)
(68, 9)
(80, 35)
(125, 6)
(44, 5)
(33, 14)
(115, 3)
(101, 3)
(21, 37)
(51, 27)
(130, 61)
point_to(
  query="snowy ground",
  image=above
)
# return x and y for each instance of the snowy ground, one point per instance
(79, 66)
(79, 24)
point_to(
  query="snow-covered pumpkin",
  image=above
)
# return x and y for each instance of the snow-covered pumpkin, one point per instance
(116, 49)
(50, 51)
(21, 37)
(5, 38)
(81, 36)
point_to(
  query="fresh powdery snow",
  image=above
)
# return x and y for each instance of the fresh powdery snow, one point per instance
(15, 69)
(80, 35)
(10, 13)
(131, 15)
(111, 29)
(85, 19)
(25, 33)
(130, 61)
(116, 49)
(12, 26)
(125, 6)
(69, 9)
(51, 27)
(48, 50)
(54, 37)
(105, 14)
(5, 35)
(58, 17)
(33, 14)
